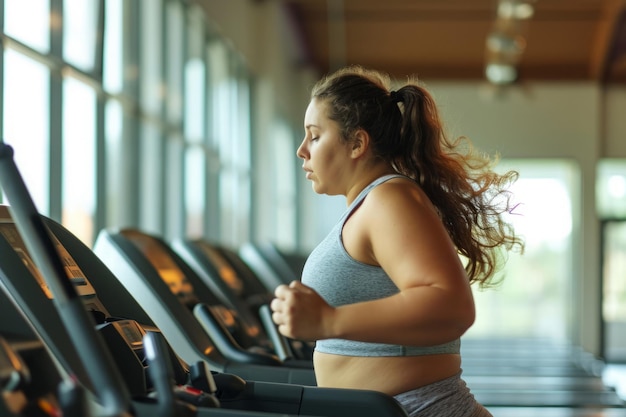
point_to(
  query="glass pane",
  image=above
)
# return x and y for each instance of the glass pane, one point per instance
(79, 111)
(29, 22)
(195, 92)
(241, 229)
(220, 97)
(195, 78)
(228, 192)
(151, 178)
(79, 33)
(220, 104)
(173, 181)
(611, 188)
(151, 49)
(534, 298)
(230, 133)
(284, 178)
(174, 61)
(113, 47)
(241, 117)
(115, 179)
(26, 122)
(195, 191)
(614, 291)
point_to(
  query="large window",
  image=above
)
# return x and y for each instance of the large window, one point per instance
(79, 159)
(25, 120)
(229, 136)
(80, 33)
(611, 189)
(614, 290)
(28, 22)
(128, 113)
(114, 180)
(195, 87)
(611, 199)
(534, 299)
(284, 153)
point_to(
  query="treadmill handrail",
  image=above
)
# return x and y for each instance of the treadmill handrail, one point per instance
(226, 344)
(107, 380)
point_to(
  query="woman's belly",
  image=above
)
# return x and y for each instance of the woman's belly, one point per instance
(390, 375)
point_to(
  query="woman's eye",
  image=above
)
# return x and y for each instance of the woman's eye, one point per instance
(314, 138)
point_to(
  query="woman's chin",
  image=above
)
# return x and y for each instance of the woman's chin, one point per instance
(316, 187)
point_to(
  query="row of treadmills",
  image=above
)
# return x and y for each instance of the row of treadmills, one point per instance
(139, 326)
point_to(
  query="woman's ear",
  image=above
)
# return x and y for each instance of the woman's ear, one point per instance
(360, 143)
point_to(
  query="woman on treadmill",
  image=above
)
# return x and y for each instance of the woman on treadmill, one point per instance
(386, 296)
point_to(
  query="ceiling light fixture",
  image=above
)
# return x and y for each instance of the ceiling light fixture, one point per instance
(506, 42)
(503, 43)
(511, 9)
(501, 74)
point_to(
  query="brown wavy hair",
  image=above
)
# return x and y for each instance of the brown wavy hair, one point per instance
(406, 131)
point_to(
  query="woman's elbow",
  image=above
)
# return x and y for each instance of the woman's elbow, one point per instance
(466, 318)
(462, 318)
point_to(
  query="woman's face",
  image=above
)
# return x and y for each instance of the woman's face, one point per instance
(326, 157)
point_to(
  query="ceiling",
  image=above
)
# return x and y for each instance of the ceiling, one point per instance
(446, 39)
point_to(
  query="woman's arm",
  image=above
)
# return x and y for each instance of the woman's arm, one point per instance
(397, 228)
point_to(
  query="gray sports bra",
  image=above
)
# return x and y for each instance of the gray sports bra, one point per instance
(340, 280)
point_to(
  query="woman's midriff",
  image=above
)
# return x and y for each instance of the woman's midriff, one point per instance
(390, 375)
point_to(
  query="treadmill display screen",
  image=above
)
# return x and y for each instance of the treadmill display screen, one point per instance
(11, 235)
(226, 272)
(169, 272)
(9, 232)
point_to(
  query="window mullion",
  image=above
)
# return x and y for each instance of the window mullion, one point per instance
(55, 195)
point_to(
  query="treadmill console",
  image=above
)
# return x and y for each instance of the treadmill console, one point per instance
(124, 337)
(225, 271)
(159, 256)
(169, 272)
(74, 273)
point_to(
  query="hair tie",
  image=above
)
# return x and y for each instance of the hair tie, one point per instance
(395, 96)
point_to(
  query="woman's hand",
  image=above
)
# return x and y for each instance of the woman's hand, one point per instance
(300, 312)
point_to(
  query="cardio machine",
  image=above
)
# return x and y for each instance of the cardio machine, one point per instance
(31, 384)
(236, 284)
(187, 312)
(271, 265)
(104, 352)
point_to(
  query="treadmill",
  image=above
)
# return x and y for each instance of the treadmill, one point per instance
(183, 307)
(129, 367)
(268, 264)
(31, 382)
(232, 280)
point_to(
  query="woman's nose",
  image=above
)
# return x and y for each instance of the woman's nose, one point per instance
(301, 152)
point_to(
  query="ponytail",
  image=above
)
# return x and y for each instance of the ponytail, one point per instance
(407, 132)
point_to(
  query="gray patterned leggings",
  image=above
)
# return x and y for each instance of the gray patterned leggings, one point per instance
(449, 397)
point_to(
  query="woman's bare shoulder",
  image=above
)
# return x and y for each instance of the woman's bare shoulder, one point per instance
(398, 195)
